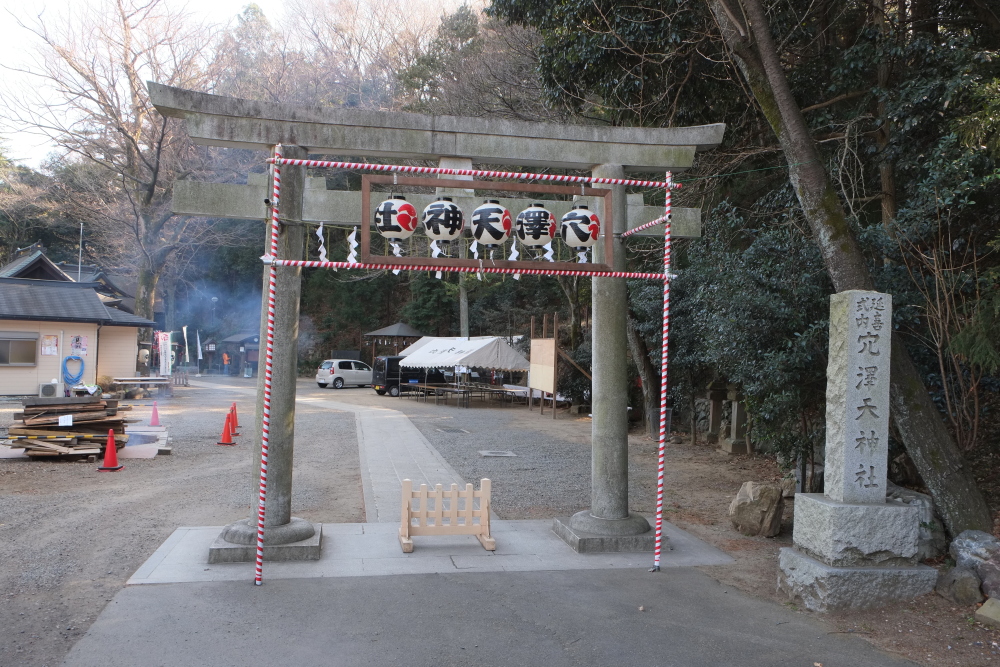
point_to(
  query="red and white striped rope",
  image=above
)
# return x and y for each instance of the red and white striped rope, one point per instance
(651, 223)
(509, 175)
(669, 185)
(313, 264)
(663, 380)
(268, 371)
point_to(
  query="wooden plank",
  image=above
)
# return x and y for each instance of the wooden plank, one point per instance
(60, 400)
(71, 407)
(77, 417)
(47, 444)
(16, 430)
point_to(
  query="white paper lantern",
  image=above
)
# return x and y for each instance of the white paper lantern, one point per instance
(491, 224)
(535, 226)
(396, 218)
(443, 220)
(580, 227)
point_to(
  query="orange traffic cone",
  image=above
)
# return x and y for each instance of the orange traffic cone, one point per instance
(110, 455)
(227, 434)
(235, 420)
(155, 421)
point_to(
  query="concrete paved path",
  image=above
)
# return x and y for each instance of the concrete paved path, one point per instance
(366, 549)
(391, 449)
(533, 602)
(555, 619)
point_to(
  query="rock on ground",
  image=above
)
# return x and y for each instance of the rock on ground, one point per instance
(989, 613)
(757, 509)
(973, 547)
(960, 585)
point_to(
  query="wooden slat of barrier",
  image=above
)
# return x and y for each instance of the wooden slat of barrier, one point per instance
(423, 516)
(438, 511)
(405, 525)
(470, 496)
(484, 535)
(453, 505)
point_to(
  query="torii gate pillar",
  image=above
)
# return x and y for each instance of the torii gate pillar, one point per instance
(608, 525)
(238, 540)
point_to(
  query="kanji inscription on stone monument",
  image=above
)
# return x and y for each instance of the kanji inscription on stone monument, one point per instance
(857, 397)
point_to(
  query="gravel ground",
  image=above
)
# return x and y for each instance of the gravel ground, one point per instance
(548, 476)
(70, 537)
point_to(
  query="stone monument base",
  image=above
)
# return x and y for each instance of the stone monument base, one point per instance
(854, 534)
(630, 535)
(307, 548)
(730, 446)
(822, 587)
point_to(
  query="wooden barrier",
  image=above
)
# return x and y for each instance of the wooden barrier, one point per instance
(441, 512)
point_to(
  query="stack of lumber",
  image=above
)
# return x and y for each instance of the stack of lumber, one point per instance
(37, 428)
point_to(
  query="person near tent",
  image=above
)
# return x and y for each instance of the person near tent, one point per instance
(225, 363)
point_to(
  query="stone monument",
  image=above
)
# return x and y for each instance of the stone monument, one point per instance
(852, 548)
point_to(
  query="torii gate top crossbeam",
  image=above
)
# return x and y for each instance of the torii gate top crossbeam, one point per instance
(226, 121)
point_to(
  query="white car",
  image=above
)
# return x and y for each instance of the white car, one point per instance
(340, 372)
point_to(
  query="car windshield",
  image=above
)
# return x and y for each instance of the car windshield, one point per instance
(326, 364)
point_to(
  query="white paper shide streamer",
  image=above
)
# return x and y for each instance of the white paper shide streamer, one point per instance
(352, 241)
(514, 254)
(436, 252)
(322, 243)
(475, 255)
(397, 250)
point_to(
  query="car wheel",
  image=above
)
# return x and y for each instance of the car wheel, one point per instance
(380, 392)
(322, 385)
(338, 383)
(394, 391)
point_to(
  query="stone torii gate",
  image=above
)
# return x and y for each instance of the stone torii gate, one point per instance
(455, 142)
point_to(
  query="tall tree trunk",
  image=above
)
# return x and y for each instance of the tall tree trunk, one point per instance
(927, 441)
(885, 167)
(571, 290)
(924, 14)
(649, 376)
(145, 295)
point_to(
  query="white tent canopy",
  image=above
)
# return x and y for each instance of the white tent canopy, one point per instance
(417, 344)
(480, 352)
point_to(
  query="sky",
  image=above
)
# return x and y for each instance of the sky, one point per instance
(32, 150)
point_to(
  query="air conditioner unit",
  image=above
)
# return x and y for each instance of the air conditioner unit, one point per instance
(51, 390)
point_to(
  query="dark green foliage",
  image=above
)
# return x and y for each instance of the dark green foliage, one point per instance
(749, 306)
(433, 305)
(628, 63)
(904, 111)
